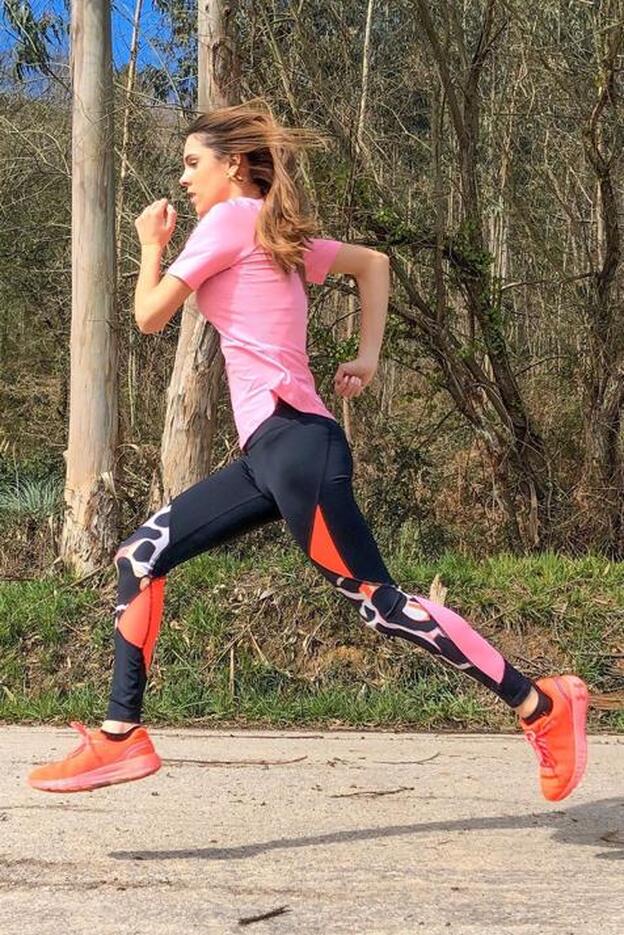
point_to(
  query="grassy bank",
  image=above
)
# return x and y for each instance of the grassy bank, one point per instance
(261, 638)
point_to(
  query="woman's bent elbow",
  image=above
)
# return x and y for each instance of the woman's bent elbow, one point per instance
(142, 323)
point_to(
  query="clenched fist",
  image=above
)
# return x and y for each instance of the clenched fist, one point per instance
(156, 223)
(353, 376)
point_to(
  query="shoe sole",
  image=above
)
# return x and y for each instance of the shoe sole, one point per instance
(125, 771)
(575, 690)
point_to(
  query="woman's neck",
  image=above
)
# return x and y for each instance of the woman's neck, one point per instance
(245, 191)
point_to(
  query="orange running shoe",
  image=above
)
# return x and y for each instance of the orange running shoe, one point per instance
(558, 738)
(98, 761)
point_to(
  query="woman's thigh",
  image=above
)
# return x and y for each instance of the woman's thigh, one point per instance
(308, 472)
(215, 510)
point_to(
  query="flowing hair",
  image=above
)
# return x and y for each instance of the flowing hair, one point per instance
(284, 225)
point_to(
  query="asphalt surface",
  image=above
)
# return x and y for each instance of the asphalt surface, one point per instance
(339, 832)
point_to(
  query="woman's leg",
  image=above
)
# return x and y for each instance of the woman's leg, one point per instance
(309, 475)
(217, 509)
(310, 479)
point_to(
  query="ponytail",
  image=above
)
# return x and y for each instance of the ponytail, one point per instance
(284, 226)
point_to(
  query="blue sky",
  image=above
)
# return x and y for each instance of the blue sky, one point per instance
(152, 26)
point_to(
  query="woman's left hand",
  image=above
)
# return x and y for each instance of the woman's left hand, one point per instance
(156, 223)
(353, 376)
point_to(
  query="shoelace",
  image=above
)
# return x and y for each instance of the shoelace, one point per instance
(540, 745)
(85, 737)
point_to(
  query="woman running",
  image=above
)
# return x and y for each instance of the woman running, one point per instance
(247, 259)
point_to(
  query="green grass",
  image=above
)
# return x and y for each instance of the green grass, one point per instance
(37, 497)
(301, 655)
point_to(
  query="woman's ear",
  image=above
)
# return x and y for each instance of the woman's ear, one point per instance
(235, 161)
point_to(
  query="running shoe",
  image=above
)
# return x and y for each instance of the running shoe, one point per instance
(98, 761)
(558, 738)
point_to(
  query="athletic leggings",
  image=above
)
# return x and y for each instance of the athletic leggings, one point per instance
(297, 467)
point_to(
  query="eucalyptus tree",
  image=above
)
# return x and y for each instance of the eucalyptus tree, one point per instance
(192, 396)
(32, 37)
(90, 523)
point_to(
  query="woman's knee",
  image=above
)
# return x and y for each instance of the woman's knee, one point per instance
(137, 555)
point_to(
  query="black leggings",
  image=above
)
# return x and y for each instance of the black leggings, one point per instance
(297, 467)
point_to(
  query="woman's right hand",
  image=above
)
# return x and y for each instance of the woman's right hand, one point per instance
(353, 376)
(156, 223)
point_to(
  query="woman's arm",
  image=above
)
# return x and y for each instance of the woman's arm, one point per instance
(371, 270)
(156, 299)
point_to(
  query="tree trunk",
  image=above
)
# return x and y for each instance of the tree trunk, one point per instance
(90, 528)
(121, 191)
(190, 420)
(360, 146)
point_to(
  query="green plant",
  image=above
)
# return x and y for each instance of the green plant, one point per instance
(37, 497)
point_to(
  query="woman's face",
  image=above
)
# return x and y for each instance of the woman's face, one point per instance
(205, 177)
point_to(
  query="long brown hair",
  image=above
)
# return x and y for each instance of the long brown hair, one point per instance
(284, 223)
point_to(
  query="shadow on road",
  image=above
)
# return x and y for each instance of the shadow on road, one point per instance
(594, 823)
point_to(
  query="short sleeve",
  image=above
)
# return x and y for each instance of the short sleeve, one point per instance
(214, 245)
(318, 259)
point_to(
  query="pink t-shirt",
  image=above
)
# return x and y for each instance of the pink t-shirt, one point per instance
(260, 312)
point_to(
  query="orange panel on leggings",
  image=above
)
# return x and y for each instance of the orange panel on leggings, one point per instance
(140, 622)
(322, 548)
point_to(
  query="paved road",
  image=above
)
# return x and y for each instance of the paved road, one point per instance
(352, 832)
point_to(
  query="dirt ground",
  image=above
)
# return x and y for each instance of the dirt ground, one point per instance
(330, 832)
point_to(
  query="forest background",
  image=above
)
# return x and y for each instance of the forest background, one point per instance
(479, 145)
